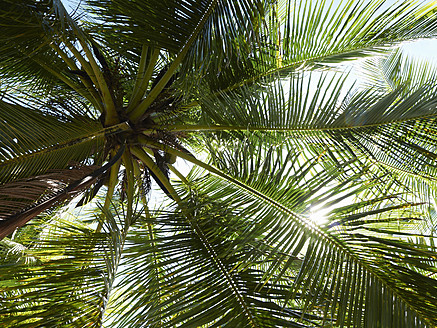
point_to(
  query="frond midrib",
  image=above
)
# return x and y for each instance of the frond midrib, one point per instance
(68, 143)
(220, 127)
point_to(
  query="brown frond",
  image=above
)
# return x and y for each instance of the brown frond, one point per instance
(21, 200)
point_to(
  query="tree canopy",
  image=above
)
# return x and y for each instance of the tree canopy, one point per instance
(206, 163)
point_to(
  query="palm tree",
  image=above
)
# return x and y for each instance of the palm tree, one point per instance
(104, 102)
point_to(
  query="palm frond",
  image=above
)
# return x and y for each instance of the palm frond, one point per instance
(351, 30)
(70, 281)
(27, 38)
(325, 112)
(172, 280)
(395, 71)
(350, 277)
(34, 141)
(316, 102)
(23, 200)
(290, 36)
(170, 24)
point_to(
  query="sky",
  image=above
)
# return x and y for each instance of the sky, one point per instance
(426, 49)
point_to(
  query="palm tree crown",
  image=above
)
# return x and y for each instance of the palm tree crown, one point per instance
(102, 104)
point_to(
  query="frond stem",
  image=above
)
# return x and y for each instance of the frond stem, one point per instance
(141, 109)
(64, 79)
(178, 174)
(113, 180)
(94, 99)
(192, 128)
(119, 128)
(111, 116)
(143, 77)
(85, 65)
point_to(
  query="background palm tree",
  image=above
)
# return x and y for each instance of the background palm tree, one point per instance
(101, 104)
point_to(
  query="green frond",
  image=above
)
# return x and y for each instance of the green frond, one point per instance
(333, 33)
(34, 142)
(70, 279)
(173, 280)
(352, 277)
(315, 102)
(324, 112)
(170, 24)
(28, 30)
(291, 36)
(395, 71)
(64, 288)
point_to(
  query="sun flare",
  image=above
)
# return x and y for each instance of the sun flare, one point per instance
(319, 215)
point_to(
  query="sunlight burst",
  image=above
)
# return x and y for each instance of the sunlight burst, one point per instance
(319, 215)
